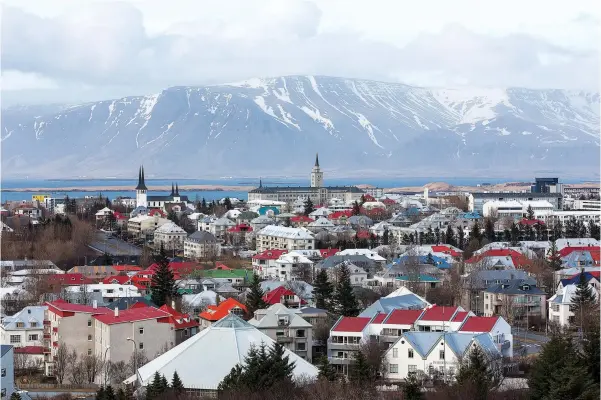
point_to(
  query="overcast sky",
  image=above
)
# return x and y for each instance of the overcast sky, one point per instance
(73, 50)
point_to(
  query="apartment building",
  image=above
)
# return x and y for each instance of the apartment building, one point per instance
(551, 218)
(200, 245)
(286, 327)
(25, 328)
(109, 292)
(144, 225)
(292, 266)
(515, 300)
(170, 237)
(265, 263)
(476, 201)
(121, 333)
(284, 238)
(67, 324)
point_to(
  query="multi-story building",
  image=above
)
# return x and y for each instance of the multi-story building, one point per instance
(477, 200)
(108, 292)
(587, 205)
(561, 303)
(284, 238)
(516, 300)
(286, 327)
(551, 218)
(220, 226)
(264, 264)
(67, 324)
(201, 245)
(170, 236)
(292, 266)
(25, 328)
(7, 371)
(318, 193)
(145, 225)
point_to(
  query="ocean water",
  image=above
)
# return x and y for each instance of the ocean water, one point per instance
(213, 194)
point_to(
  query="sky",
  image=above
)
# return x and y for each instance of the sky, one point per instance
(71, 50)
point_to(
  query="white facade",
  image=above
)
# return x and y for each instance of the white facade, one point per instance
(201, 244)
(145, 224)
(25, 328)
(564, 216)
(560, 304)
(7, 375)
(170, 236)
(289, 264)
(280, 237)
(109, 291)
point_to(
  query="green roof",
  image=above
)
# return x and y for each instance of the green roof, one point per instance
(421, 278)
(185, 291)
(225, 273)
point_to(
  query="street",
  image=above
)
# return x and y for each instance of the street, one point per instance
(530, 342)
(114, 246)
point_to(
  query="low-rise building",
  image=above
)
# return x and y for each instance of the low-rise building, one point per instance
(170, 237)
(264, 263)
(143, 226)
(516, 300)
(201, 245)
(25, 328)
(561, 304)
(220, 226)
(7, 368)
(214, 313)
(285, 296)
(292, 266)
(284, 238)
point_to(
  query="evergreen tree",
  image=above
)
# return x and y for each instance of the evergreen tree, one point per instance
(460, 238)
(583, 302)
(529, 232)
(412, 389)
(164, 384)
(172, 216)
(280, 365)
(558, 232)
(572, 229)
(590, 356)
(582, 229)
(515, 235)
(356, 208)
(450, 236)
(507, 235)
(385, 237)
(429, 236)
(554, 258)
(227, 203)
(109, 393)
(346, 303)
(593, 230)
(489, 230)
(360, 371)
(530, 213)
(437, 238)
(177, 385)
(100, 393)
(479, 373)
(163, 287)
(254, 298)
(323, 290)
(129, 392)
(475, 232)
(121, 394)
(430, 259)
(203, 206)
(153, 390)
(326, 370)
(309, 207)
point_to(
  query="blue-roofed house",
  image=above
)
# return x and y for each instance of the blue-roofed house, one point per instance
(477, 281)
(515, 300)
(435, 353)
(430, 259)
(401, 299)
(25, 328)
(578, 259)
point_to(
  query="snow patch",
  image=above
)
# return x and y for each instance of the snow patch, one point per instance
(92, 111)
(317, 117)
(260, 101)
(471, 105)
(364, 122)
(525, 133)
(419, 122)
(287, 117)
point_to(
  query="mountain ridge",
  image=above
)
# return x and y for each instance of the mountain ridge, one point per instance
(265, 124)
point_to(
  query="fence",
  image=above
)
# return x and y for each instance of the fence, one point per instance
(57, 387)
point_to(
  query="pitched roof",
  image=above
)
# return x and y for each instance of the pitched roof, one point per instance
(516, 286)
(132, 315)
(325, 253)
(202, 237)
(351, 324)
(69, 278)
(62, 305)
(439, 313)
(29, 350)
(120, 279)
(275, 296)
(285, 232)
(403, 317)
(301, 218)
(269, 254)
(178, 319)
(422, 342)
(215, 313)
(479, 324)
(460, 316)
(5, 348)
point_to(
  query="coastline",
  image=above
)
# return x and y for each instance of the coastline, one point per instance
(164, 188)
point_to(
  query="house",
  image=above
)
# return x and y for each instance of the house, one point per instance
(435, 353)
(285, 296)
(220, 226)
(300, 221)
(346, 337)
(56, 282)
(301, 288)
(214, 313)
(371, 254)
(264, 263)
(143, 226)
(362, 261)
(25, 328)
(286, 327)
(109, 292)
(497, 259)
(291, 266)
(101, 215)
(7, 369)
(201, 245)
(321, 224)
(196, 303)
(402, 299)
(358, 276)
(284, 238)
(225, 276)
(561, 304)
(261, 222)
(475, 282)
(497, 327)
(121, 333)
(69, 324)
(183, 325)
(169, 236)
(515, 300)
(223, 345)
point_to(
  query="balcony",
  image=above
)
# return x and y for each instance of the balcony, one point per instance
(47, 322)
(55, 329)
(504, 346)
(47, 350)
(343, 346)
(341, 361)
(283, 339)
(46, 336)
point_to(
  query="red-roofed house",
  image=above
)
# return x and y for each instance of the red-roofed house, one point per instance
(57, 281)
(156, 211)
(71, 324)
(496, 326)
(340, 217)
(240, 228)
(566, 251)
(34, 355)
(118, 279)
(215, 313)
(283, 296)
(437, 318)
(345, 341)
(184, 325)
(398, 322)
(300, 220)
(325, 253)
(446, 249)
(499, 259)
(388, 202)
(264, 264)
(150, 329)
(124, 269)
(179, 269)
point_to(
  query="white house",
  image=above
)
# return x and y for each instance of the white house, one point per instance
(290, 266)
(281, 237)
(7, 369)
(25, 328)
(369, 253)
(143, 225)
(220, 226)
(170, 236)
(560, 304)
(264, 263)
(108, 291)
(201, 244)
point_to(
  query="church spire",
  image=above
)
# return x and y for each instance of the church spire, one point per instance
(141, 184)
(172, 190)
(176, 189)
(260, 182)
(317, 160)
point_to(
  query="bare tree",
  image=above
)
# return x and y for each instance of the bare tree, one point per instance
(77, 371)
(374, 353)
(508, 309)
(62, 362)
(92, 365)
(164, 348)
(117, 372)
(137, 359)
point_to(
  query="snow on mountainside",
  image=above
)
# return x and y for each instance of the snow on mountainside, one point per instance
(274, 126)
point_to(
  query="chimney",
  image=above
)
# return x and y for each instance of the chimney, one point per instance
(95, 304)
(173, 304)
(116, 312)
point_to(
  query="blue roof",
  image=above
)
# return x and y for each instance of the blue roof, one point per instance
(421, 278)
(27, 315)
(459, 342)
(387, 304)
(4, 348)
(438, 261)
(422, 342)
(578, 258)
(486, 343)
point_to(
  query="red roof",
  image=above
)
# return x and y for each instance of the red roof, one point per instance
(518, 258)
(178, 268)
(179, 320)
(403, 317)
(62, 305)
(275, 296)
(438, 313)
(325, 253)
(340, 214)
(388, 201)
(127, 268)
(222, 266)
(379, 318)
(118, 215)
(526, 221)
(132, 315)
(447, 250)
(364, 234)
(269, 254)
(215, 313)
(460, 316)
(351, 324)
(301, 218)
(156, 211)
(29, 350)
(241, 228)
(368, 197)
(120, 279)
(479, 324)
(68, 279)
(569, 249)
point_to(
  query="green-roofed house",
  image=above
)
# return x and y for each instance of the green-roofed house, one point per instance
(428, 281)
(233, 276)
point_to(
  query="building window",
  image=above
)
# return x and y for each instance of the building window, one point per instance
(3, 392)
(394, 368)
(33, 337)
(89, 338)
(441, 354)
(3, 374)
(300, 333)
(410, 353)
(301, 346)
(141, 331)
(411, 368)
(395, 353)
(141, 346)
(33, 324)
(20, 325)
(89, 322)
(15, 338)
(89, 352)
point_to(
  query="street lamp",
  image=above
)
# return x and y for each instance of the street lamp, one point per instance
(105, 365)
(135, 357)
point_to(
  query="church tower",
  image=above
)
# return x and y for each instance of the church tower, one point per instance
(316, 174)
(141, 190)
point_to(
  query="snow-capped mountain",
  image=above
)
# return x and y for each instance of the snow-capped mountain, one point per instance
(275, 126)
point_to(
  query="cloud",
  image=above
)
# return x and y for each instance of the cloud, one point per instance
(103, 44)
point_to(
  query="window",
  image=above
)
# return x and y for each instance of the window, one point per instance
(20, 325)
(141, 346)
(3, 392)
(394, 368)
(441, 354)
(89, 352)
(395, 353)
(301, 346)
(300, 333)
(89, 338)
(3, 374)
(410, 353)
(33, 337)
(15, 338)
(411, 368)
(89, 322)
(33, 324)
(141, 331)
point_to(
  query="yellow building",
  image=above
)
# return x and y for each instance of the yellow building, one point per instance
(40, 197)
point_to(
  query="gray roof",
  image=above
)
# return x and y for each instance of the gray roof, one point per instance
(387, 304)
(485, 278)
(358, 259)
(167, 198)
(26, 316)
(360, 220)
(202, 237)
(482, 195)
(123, 303)
(516, 286)
(282, 189)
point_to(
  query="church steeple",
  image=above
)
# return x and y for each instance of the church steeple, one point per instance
(172, 190)
(317, 160)
(260, 183)
(176, 189)
(141, 183)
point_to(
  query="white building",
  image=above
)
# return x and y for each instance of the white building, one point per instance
(560, 305)
(289, 266)
(553, 217)
(281, 237)
(25, 328)
(143, 225)
(200, 245)
(170, 236)
(7, 369)
(108, 291)
(220, 226)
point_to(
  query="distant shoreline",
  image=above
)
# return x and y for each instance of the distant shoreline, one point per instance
(164, 188)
